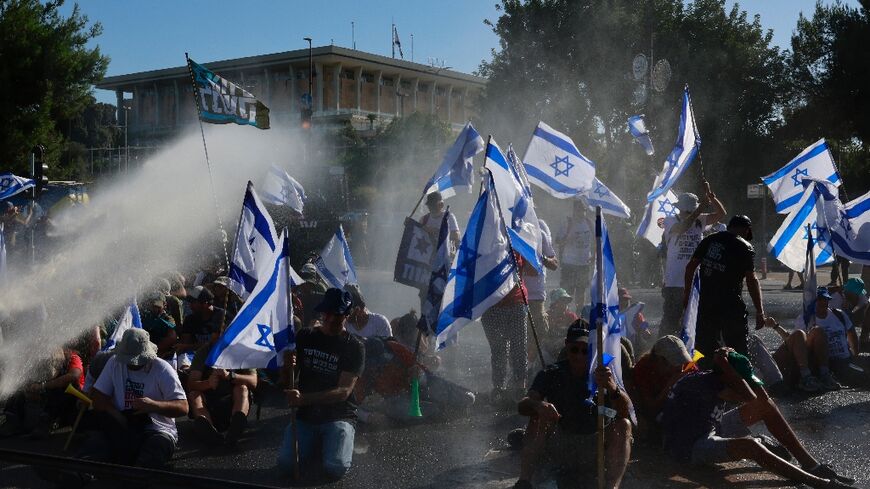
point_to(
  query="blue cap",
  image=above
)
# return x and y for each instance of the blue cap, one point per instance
(822, 292)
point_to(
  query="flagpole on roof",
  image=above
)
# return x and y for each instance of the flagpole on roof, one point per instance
(516, 268)
(208, 165)
(599, 332)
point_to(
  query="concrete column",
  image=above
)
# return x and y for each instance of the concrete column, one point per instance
(449, 104)
(415, 84)
(136, 105)
(318, 87)
(268, 82)
(119, 102)
(432, 98)
(156, 106)
(397, 86)
(336, 83)
(465, 105)
(177, 102)
(377, 79)
(294, 103)
(357, 75)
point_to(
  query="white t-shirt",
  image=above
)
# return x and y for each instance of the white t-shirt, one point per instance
(536, 285)
(377, 325)
(838, 343)
(157, 381)
(576, 240)
(680, 249)
(432, 223)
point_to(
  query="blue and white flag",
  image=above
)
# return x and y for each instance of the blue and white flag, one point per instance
(690, 316)
(130, 319)
(601, 196)
(789, 243)
(438, 278)
(263, 328)
(12, 184)
(786, 184)
(652, 227)
(848, 226)
(457, 167)
(685, 149)
(637, 128)
(255, 243)
(3, 271)
(279, 188)
(810, 291)
(554, 163)
(517, 206)
(335, 264)
(482, 272)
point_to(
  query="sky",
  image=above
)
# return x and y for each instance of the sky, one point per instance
(140, 35)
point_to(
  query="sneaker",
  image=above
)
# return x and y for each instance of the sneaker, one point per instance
(238, 423)
(829, 383)
(825, 471)
(206, 431)
(775, 447)
(809, 384)
(523, 484)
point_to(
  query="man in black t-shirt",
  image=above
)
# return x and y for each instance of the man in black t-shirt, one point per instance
(329, 360)
(562, 423)
(203, 324)
(725, 260)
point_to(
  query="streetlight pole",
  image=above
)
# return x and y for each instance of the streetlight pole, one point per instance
(126, 146)
(310, 72)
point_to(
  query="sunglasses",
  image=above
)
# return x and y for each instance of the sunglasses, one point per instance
(577, 349)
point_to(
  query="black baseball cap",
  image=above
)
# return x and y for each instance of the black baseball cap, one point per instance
(578, 332)
(741, 221)
(335, 301)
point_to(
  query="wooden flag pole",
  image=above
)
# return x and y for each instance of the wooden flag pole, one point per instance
(599, 331)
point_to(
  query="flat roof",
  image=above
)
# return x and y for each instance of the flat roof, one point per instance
(328, 54)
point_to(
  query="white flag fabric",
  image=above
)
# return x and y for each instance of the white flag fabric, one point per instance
(690, 315)
(482, 272)
(786, 184)
(517, 206)
(255, 243)
(279, 188)
(335, 264)
(554, 163)
(789, 243)
(263, 329)
(637, 128)
(687, 146)
(848, 226)
(457, 167)
(652, 226)
(601, 196)
(130, 319)
(12, 184)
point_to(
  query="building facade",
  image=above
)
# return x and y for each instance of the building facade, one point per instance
(349, 86)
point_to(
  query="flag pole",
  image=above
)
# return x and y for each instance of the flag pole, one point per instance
(286, 353)
(208, 164)
(599, 332)
(692, 110)
(516, 267)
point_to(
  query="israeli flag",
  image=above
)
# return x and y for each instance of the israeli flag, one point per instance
(601, 196)
(279, 188)
(690, 315)
(438, 279)
(255, 243)
(130, 319)
(335, 264)
(516, 205)
(482, 272)
(786, 183)
(685, 149)
(652, 226)
(457, 167)
(11, 184)
(554, 163)
(847, 225)
(810, 291)
(637, 128)
(3, 271)
(789, 243)
(263, 328)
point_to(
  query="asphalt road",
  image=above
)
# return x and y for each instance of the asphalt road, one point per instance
(471, 452)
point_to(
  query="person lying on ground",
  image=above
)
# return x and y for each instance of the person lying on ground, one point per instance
(697, 428)
(562, 423)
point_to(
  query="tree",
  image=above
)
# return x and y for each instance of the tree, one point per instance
(46, 71)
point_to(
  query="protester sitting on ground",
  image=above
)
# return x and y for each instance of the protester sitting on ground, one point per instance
(160, 326)
(842, 343)
(389, 370)
(654, 373)
(173, 306)
(41, 404)
(801, 356)
(219, 399)
(204, 322)
(330, 360)
(560, 314)
(562, 424)
(855, 303)
(139, 395)
(362, 322)
(220, 289)
(637, 329)
(696, 427)
(406, 331)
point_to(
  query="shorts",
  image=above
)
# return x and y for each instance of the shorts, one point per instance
(713, 449)
(564, 449)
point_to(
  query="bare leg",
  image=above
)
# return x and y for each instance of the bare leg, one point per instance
(817, 343)
(763, 409)
(797, 345)
(197, 405)
(240, 399)
(740, 448)
(618, 449)
(533, 446)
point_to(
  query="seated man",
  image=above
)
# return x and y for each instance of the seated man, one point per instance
(655, 372)
(362, 322)
(220, 399)
(203, 324)
(697, 429)
(330, 361)
(160, 326)
(139, 395)
(855, 302)
(562, 424)
(637, 329)
(799, 355)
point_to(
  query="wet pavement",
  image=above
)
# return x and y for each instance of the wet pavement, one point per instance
(471, 452)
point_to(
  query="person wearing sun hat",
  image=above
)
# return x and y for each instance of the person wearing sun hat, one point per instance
(857, 306)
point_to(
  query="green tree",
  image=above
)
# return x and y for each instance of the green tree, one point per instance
(47, 72)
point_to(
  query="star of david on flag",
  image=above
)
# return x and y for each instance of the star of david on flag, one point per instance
(610, 203)
(553, 163)
(279, 188)
(12, 184)
(457, 167)
(265, 331)
(557, 166)
(785, 184)
(255, 242)
(797, 174)
(335, 264)
(846, 226)
(788, 244)
(667, 207)
(655, 213)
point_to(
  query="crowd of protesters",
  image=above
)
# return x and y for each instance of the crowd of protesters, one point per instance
(353, 365)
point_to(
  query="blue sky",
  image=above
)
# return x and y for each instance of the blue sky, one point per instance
(140, 35)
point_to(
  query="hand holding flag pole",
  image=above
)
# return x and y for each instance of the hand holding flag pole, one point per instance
(86, 403)
(599, 332)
